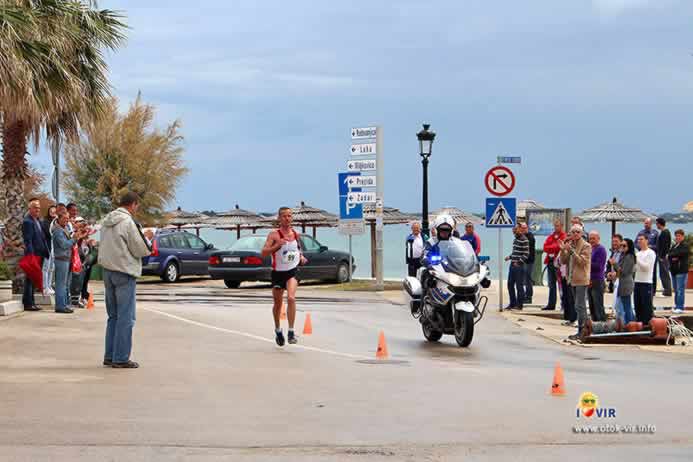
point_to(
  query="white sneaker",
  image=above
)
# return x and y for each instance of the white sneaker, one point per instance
(677, 311)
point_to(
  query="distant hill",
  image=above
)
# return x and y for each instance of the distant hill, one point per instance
(677, 217)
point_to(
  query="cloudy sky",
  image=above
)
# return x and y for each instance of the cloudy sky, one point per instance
(595, 95)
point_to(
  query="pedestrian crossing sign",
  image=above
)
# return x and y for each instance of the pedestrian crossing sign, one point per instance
(501, 212)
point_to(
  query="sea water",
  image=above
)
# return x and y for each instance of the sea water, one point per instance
(394, 237)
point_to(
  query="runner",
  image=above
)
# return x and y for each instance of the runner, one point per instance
(284, 246)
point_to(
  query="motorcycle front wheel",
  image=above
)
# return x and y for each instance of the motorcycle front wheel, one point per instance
(430, 333)
(464, 328)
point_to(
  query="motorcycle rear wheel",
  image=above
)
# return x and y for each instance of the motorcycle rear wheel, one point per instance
(430, 333)
(464, 328)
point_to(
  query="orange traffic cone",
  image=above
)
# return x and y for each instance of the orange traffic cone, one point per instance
(382, 352)
(558, 385)
(90, 302)
(308, 325)
(282, 314)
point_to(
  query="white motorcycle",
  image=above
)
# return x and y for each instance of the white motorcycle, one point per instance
(445, 295)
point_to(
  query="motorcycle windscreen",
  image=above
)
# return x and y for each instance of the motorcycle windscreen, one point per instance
(458, 257)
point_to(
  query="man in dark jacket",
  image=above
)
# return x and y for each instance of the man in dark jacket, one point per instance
(34, 244)
(529, 266)
(663, 246)
(414, 249)
(678, 258)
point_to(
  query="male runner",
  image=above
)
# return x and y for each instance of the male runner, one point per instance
(283, 244)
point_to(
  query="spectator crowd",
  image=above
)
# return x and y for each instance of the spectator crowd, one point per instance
(584, 271)
(61, 241)
(60, 247)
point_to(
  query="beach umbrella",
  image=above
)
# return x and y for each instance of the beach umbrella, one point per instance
(307, 216)
(688, 207)
(461, 217)
(186, 220)
(391, 216)
(237, 218)
(614, 212)
(527, 204)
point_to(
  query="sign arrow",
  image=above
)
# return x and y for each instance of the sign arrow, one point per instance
(497, 178)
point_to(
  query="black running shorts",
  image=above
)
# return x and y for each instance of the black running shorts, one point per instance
(280, 278)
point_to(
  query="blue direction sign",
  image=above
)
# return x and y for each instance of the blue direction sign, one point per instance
(348, 211)
(501, 212)
(509, 160)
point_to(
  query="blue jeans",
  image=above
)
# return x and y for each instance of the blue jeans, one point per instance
(529, 284)
(48, 272)
(516, 280)
(679, 281)
(120, 291)
(62, 275)
(626, 311)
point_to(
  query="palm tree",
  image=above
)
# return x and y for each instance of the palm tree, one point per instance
(52, 79)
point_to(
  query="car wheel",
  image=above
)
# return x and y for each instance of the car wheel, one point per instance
(342, 273)
(232, 284)
(171, 273)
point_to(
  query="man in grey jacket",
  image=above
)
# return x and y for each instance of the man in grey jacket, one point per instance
(122, 247)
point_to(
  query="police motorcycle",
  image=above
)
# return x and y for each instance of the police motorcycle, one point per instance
(445, 296)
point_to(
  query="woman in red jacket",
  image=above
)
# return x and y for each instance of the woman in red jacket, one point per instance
(552, 247)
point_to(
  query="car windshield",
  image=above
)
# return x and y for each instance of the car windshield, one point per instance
(249, 244)
(458, 257)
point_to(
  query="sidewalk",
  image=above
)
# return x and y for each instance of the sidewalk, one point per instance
(548, 323)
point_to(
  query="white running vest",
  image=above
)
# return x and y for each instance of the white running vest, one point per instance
(288, 256)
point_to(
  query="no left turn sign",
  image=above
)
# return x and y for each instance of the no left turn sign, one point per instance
(500, 181)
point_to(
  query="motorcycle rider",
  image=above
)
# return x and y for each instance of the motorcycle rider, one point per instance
(443, 226)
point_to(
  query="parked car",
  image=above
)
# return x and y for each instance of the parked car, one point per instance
(175, 254)
(243, 262)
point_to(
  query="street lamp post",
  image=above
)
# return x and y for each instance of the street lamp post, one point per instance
(425, 138)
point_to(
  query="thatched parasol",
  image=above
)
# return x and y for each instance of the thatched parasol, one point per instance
(461, 217)
(527, 204)
(237, 219)
(307, 216)
(688, 207)
(614, 212)
(391, 216)
(186, 220)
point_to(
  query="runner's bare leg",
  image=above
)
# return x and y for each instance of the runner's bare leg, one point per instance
(278, 296)
(291, 286)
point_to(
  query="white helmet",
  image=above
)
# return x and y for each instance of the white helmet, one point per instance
(444, 220)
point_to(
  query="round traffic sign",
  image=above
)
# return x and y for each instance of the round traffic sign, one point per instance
(500, 180)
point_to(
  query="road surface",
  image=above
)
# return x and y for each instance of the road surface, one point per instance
(213, 385)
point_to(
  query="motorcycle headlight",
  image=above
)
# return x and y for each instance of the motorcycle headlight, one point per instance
(455, 280)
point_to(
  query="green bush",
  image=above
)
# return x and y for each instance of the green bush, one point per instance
(5, 273)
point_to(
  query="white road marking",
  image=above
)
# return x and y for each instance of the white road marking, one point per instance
(253, 336)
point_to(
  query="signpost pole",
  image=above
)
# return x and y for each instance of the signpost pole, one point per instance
(379, 201)
(500, 269)
(350, 258)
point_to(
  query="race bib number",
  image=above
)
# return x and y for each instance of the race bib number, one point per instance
(290, 257)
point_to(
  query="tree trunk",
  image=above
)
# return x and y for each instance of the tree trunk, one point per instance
(15, 135)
